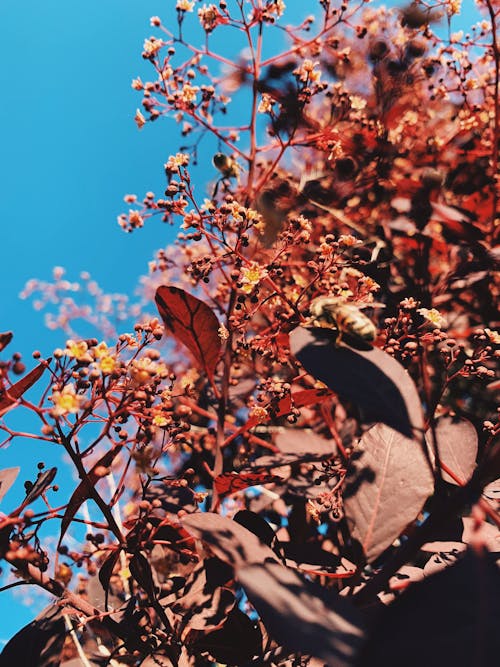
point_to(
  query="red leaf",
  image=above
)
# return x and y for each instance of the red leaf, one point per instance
(372, 379)
(5, 339)
(303, 616)
(388, 481)
(204, 603)
(192, 323)
(230, 482)
(235, 643)
(39, 643)
(84, 490)
(229, 541)
(10, 396)
(457, 446)
(451, 618)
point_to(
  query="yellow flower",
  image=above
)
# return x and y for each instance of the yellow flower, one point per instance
(77, 350)
(348, 240)
(432, 315)
(100, 350)
(152, 46)
(494, 336)
(135, 219)
(260, 413)
(184, 5)
(223, 332)
(251, 275)
(188, 93)
(66, 401)
(369, 284)
(266, 104)
(308, 72)
(409, 303)
(357, 103)
(107, 364)
(161, 420)
(143, 371)
(175, 161)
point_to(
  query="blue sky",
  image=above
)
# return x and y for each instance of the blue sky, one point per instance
(69, 152)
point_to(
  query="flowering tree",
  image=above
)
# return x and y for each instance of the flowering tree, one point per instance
(295, 460)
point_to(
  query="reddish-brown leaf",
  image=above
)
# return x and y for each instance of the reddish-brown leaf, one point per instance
(443, 559)
(192, 323)
(388, 481)
(7, 479)
(485, 534)
(457, 447)
(451, 618)
(204, 604)
(5, 339)
(231, 482)
(302, 616)
(296, 445)
(84, 490)
(372, 379)
(229, 541)
(10, 395)
(235, 643)
(492, 493)
(39, 643)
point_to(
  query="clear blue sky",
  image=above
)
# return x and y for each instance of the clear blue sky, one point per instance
(69, 152)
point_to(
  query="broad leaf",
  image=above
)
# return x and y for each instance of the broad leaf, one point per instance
(297, 446)
(490, 465)
(388, 481)
(492, 493)
(303, 442)
(5, 339)
(256, 525)
(235, 643)
(7, 479)
(485, 533)
(227, 539)
(303, 616)
(442, 560)
(451, 618)
(204, 603)
(9, 397)
(280, 460)
(38, 644)
(313, 559)
(457, 447)
(192, 323)
(372, 379)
